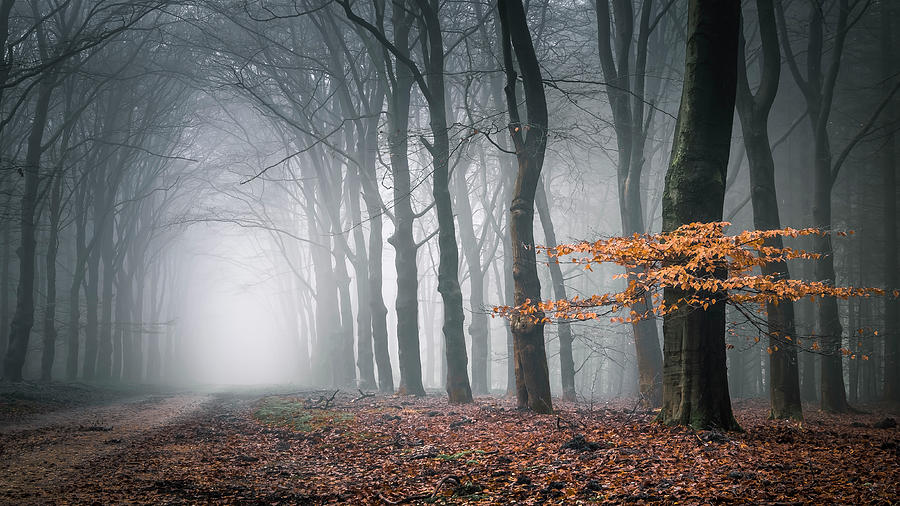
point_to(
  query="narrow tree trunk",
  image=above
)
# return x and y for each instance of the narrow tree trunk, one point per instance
(695, 383)
(479, 330)
(153, 358)
(833, 395)
(78, 273)
(364, 351)
(566, 361)
(888, 159)
(104, 348)
(49, 351)
(784, 370)
(134, 358)
(23, 318)
(627, 107)
(346, 364)
(5, 277)
(377, 308)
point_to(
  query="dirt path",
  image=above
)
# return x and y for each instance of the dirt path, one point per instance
(263, 447)
(43, 453)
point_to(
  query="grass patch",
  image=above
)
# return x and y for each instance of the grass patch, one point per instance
(292, 414)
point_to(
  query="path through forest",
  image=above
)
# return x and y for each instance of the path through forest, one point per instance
(314, 447)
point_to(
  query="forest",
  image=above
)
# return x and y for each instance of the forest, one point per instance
(449, 252)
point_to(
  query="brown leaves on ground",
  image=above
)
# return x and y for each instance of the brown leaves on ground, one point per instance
(383, 450)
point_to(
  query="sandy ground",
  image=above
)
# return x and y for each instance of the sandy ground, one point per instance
(44, 452)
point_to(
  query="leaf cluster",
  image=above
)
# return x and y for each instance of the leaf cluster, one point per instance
(699, 261)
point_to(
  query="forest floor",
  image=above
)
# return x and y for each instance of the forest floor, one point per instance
(76, 444)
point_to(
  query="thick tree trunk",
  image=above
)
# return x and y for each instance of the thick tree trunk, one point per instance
(405, 250)
(532, 376)
(23, 318)
(695, 383)
(566, 361)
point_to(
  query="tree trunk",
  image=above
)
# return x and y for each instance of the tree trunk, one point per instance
(695, 382)
(153, 358)
(784, 378)
(566, 361)
(345, 367)
(530, 140)
(134, 356)
(479, 329)
(5, 277)
(833, 395)
(108, 253)
(888, 158)
(405, 250)
(49, 351)
(364, 350)
(626, 97)
(23, 318)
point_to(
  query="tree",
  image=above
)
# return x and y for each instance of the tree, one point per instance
(530, 141)
(753, 109)
(626, 90)
(818, 88)
(698, 268)
(695, 384)
(888, 13)
(431, 85)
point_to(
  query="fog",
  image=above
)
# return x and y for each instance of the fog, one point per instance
(273, 192)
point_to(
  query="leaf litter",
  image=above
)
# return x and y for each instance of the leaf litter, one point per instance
(292, 449)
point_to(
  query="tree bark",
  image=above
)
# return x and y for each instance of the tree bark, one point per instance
(626, 96)
(49, 351)
(530, 140)
(695, 383)
(784, 379)
(566, 361)
(23, 318)
(479, 329)
(889, 189)
(5, 278)
(374, 206)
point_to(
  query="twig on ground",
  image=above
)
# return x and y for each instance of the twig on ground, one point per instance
(363, 395)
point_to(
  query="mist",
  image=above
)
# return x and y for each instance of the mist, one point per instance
(214, 176)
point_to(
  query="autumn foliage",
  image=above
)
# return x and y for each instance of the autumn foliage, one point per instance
(709, 266)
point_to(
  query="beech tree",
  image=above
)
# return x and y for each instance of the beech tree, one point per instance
(530, 140)
(753, 109)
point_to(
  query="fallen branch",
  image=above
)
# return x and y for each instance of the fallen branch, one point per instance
(363, 395)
